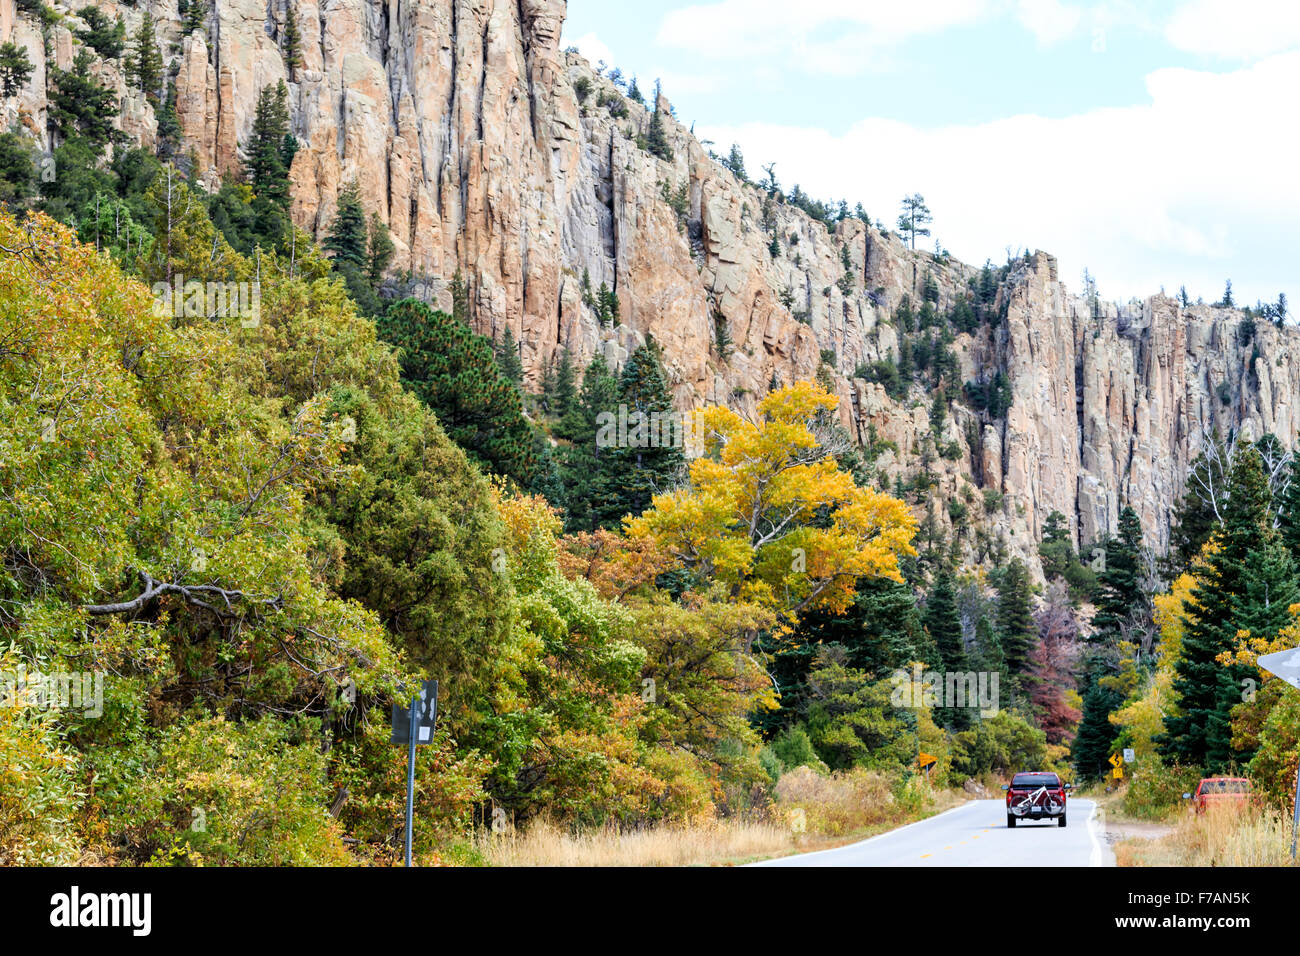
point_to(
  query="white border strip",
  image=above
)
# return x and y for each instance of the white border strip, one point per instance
(776, 861)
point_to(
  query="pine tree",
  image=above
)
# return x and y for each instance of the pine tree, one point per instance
(106, 37)
(657, 138)
(906, 368)
(1268, 590)
(588, 466)
(915, 218)
(292, 41)
(1091, 748)
(15, 68)
(944, 627)
(1057, 547)
(379, 250)
(1207, 690)
(507, 352)
(881, 631)
(560, 390)
(943, 623)
(460, 298)
(146, 63)
(347, 239)
(1016, 631)
(1120, 584)
(79, 106)
(650, 462)
(196, 16)
(270, 145)
(453, 371)
(169, 127)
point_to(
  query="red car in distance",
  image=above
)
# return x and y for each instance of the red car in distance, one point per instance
(1220, 791)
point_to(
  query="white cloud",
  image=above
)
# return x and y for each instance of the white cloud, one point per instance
(1048, 20)
(1242, 29)
(591, 46)
(1172, 191)
(834, 36)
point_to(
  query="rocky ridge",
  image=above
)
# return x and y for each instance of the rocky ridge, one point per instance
(487, 147)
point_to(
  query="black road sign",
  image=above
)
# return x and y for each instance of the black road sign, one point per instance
(426, 716)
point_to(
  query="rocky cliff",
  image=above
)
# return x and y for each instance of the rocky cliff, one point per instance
(486, 147)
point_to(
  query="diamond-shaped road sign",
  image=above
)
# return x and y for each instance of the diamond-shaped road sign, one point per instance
(1285, 664)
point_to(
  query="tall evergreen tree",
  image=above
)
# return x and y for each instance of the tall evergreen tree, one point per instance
(944, 626)
(348, 240)
(1120, 583)
(587, 466)
(195, 16)
(379, 250)
(146, 61)
(1016, 631)
(1057, 547)
(271, 147)
(657, 138)
(561, 390)
(507, 352)
(943, 623)
(1207, 690)
(1091, 747)
(652, 460)
(292, 41)
(452, 370)
(881, 631)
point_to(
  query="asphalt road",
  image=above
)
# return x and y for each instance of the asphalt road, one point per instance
(973, 834)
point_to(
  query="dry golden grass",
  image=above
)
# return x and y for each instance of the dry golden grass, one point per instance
(544, 844)
(812, 813)
(1222, 836)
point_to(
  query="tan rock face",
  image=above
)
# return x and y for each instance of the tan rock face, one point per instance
(462, 122)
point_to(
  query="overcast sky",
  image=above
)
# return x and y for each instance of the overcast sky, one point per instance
(1154, 144)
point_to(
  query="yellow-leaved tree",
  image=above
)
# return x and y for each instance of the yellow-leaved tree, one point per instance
(769, 513)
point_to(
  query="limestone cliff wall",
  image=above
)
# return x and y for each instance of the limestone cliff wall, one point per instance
(485, 147)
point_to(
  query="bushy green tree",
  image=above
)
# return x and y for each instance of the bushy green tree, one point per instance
(80, 106)
(453, 371)
(106, 37)
(15, 68)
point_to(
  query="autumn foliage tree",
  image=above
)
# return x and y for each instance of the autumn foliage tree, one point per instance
(769, 513)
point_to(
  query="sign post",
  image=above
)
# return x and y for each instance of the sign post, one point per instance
(1286, 665)
(413, 726)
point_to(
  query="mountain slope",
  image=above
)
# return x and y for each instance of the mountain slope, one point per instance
(485, 147)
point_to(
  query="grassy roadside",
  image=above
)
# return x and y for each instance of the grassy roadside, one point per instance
(1223, 836)
(812, 813)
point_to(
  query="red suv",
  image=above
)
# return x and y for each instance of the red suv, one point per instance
(1220, 791)
(1038, 795)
